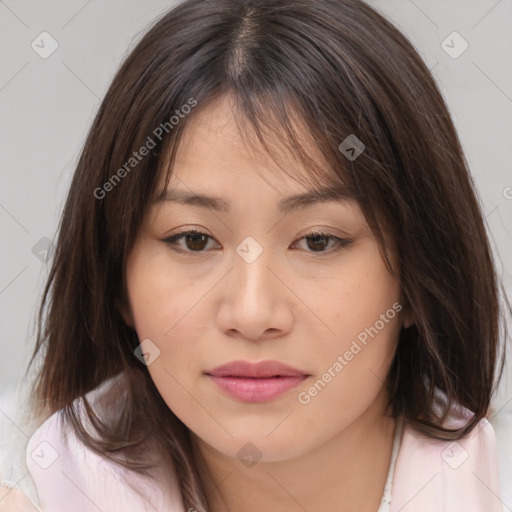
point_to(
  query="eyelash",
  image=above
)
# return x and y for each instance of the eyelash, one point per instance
(340, 243)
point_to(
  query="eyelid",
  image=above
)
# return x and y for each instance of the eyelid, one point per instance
(172, 240)
(340, 242)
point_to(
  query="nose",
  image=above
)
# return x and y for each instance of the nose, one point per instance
(255, 304)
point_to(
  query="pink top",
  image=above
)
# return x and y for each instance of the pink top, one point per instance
(425, 475)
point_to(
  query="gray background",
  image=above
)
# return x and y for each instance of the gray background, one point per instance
(47, 106)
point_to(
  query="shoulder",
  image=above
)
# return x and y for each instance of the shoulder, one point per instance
(66, 471)
(448, 476)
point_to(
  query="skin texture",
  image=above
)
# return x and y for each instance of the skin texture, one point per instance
(291, 304)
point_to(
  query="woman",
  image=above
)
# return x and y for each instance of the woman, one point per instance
(223, 335)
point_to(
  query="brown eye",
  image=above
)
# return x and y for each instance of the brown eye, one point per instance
(323, 243)
(317, 242)
(194, 241)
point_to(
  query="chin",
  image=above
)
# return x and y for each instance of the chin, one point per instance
(258, 448)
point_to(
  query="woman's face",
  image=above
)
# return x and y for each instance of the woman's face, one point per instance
(258, 286)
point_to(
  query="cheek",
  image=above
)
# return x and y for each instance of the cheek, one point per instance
(175, 321)
(161, 299)
(167, 309)
(360, 311)
(353, 299)
(352, 368)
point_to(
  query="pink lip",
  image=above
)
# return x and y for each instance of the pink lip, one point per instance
(256, 382)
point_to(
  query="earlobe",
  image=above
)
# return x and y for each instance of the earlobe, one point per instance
(409, 319)
(408, 315)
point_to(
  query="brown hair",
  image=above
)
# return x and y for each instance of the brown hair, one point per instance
(339, 68)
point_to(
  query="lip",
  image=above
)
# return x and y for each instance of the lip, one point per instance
(256, 382)
(255, 370)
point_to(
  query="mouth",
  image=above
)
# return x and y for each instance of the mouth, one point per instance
(256, 382)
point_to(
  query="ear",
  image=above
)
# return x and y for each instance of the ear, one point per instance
(124, 309)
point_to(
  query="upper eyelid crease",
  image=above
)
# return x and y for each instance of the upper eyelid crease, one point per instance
(285, 205)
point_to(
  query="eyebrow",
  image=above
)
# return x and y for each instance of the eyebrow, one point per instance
(286, 204)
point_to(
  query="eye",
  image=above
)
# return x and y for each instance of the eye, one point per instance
(318, 241)
(197, 241)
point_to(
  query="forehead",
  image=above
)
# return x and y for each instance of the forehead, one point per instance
(219, 147)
